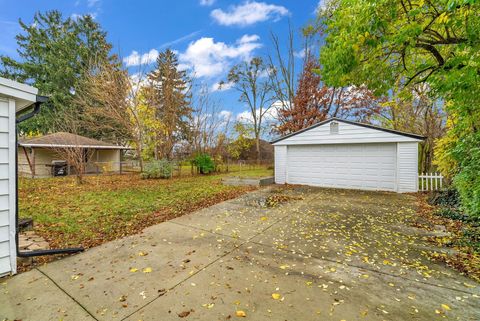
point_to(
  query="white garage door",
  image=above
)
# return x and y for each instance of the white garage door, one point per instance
(356, 166)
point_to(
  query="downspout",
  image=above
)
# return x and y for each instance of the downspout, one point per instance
(36, 109)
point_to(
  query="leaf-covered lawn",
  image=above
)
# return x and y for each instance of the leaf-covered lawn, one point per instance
(108, 207)
(255, 172)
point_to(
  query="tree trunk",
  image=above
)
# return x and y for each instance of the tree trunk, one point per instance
(257, 146)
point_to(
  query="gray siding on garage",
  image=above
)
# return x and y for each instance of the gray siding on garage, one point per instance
(7, 200)
(407, 167)
(280, 164)
(356, 156)
(347, 134)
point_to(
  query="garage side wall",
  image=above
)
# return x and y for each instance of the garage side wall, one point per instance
(280, 164)
(7, 187)
(407, 167)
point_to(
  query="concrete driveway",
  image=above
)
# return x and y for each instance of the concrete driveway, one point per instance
(333, 255)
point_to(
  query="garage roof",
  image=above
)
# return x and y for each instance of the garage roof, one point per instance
(378, 128)
(67, 140)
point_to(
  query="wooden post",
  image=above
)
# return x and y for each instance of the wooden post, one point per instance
(32, 169)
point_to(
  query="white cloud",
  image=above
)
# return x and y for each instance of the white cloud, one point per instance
(300, 54)
(269, 117)
(248, 13)
(225, 115)
(207, 2)
(76, 16)
(324, 5)
(92, 3)
(222, 87)
(135, 59)
(208, 58)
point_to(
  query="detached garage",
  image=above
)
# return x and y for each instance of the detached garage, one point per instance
(339, 153)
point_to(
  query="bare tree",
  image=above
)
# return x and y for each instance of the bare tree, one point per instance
(67, 145)
(113, 102)
(415, 111)
(209, 124)
(314, 102)
(251, 79)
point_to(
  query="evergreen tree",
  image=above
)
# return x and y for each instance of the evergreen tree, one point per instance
(55, 53)
(169, 92)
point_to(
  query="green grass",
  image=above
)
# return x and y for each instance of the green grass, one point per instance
(254, 172)
(109, 207)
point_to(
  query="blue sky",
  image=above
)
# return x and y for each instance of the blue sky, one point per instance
(209, 35)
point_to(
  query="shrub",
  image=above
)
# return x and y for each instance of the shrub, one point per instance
(204, 163)
(158, 169)
(448, 197)
(467, 181)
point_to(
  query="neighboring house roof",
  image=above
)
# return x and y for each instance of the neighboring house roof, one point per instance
(67, 140)
(392, 131)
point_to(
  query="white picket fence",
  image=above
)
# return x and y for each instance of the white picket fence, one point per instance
(430, 182)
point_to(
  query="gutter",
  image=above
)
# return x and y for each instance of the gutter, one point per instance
(36, 109)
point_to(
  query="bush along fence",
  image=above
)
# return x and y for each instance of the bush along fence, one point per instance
(430, 182)
(159, 169)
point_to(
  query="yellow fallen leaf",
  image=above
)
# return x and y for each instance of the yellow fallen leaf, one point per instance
(147, 270)
(240, 314)
(309, 283)
(208, 305)
(446, 307)
(285, 266)
(276, 296)
(141, 253)
(133, 270)
(263, 218)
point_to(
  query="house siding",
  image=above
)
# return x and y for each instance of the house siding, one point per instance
(354, 157)
(280, 164)
(347, 134)
(7, 187)
(407, 167)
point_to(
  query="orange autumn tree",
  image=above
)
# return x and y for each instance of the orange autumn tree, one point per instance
(314, 102)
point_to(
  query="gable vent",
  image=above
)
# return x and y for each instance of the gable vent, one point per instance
(334, 127)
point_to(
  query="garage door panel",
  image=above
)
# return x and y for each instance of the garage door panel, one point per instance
(362, 166)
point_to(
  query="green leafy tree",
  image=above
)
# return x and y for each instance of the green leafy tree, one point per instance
(169, 93)
(54, 55)
(242, 143)
(382, 43)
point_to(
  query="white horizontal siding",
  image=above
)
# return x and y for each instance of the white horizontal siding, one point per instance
(7, 191)
(356, 166)
(407, 167)
(4, 249)
(4, 233)
(4, 218)
(347, 134)
(4, 265)
(280, 164)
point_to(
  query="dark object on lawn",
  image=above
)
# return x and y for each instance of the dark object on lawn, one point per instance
(36, 110)
(59, 168)
(25, 224)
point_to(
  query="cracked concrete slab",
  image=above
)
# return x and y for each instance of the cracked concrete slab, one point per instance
(33, 296)
(113, 280)
(250, 278)
(333, 255)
